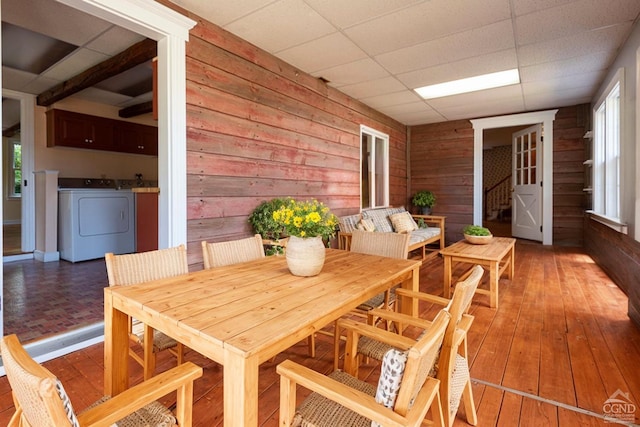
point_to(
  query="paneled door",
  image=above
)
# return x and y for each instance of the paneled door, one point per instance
(526, 221)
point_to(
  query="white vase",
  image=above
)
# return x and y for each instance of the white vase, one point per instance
(305, 256)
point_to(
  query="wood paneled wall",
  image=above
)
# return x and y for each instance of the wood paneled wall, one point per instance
(258, 128)
(619, 256)
(441, 160)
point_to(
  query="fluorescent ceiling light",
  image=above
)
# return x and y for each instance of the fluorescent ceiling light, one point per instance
(470, 84)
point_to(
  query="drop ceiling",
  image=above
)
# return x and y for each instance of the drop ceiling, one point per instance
(376, 51)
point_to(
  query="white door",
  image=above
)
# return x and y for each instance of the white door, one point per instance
(526, 219)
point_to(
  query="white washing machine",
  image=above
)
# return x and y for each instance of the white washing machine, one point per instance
(92, 222)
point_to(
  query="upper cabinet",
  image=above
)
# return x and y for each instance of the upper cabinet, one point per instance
(69, 129)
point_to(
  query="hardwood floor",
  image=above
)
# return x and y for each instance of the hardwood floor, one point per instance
(558, 347)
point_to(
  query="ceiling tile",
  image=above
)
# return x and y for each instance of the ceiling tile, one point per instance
(16, 79)
(281, 25)
(587, 81)
(344, 14)
(388, 99)
(329, 51)
(114, 41)
(606, 39)
(426, 21)
(75, 63)
(574, 18)
(592, 62)
(419, 118)
(101, 96)
(39, 85)
(54, 19)
(222, 12)
(373, 87)
(469, 44)
(354, 72)
(522, 7)
(468, 67)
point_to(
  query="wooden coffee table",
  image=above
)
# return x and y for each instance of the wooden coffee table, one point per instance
(499, 255)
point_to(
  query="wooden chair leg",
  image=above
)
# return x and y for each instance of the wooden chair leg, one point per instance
(311, 343)
(180, 353)
(469, 404)
(336, 346)
(149, 356)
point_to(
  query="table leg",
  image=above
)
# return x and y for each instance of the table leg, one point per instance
(116, 349)
(494, 278)
(408, 305)
(512, 256)
(447, 277)
(240, 390)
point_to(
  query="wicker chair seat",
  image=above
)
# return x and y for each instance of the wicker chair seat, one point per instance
(154, 414)
(160, 340)
(377, 301)
(318, 411)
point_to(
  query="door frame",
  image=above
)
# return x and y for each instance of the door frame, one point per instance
(546, 118)
(171, 31)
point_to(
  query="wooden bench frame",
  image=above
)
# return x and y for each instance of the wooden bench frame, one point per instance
(344, 239)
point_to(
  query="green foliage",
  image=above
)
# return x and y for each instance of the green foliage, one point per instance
(424, 198)
(476, 230)
(261, 219)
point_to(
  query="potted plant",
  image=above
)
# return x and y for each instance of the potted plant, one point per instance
(272, 232)
(477, 235)
(424, 200)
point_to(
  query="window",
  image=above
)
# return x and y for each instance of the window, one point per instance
(15, 169)
(374, 168)
(606, 151)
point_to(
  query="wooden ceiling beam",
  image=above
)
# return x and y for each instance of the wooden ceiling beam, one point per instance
(137, 54)
(11, 131)
(136, 110)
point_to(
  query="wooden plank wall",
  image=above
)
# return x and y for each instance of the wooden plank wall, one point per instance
(441, 160)
(258, 128)
(619, 256)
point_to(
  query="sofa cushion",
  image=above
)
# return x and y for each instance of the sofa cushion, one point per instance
(422, 234)
(403, 222)
(349, 223)
(365, 224)
(380, 218)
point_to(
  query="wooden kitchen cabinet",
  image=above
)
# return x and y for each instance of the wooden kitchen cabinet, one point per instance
(69, 129)
(137, 139)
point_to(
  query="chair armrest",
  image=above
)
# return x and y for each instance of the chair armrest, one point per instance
(362, 329)
(292, 373)
(431, 219)
(180, 378)
(344, 240)
(422, 296)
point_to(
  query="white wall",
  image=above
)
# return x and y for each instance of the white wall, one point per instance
(79, 163)
(627, 59)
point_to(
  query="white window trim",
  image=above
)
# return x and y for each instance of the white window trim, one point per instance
(385, 137)
(617, 224)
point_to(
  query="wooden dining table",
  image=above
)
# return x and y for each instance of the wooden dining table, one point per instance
(244, 314)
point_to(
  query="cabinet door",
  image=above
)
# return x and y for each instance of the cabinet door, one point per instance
(138, 139)
(68, 129)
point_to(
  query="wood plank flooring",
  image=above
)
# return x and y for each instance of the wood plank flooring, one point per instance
(558, 347)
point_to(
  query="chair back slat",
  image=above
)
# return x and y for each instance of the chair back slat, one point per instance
(130, 269)
(421, 359)
(219, 254)
(392, 245)
(33, 387)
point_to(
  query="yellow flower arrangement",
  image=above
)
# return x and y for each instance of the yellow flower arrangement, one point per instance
(306, 219)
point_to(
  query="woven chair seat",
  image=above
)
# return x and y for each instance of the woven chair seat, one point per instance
(160, 340)
(318, 411)
(377, 301)
(154, 414)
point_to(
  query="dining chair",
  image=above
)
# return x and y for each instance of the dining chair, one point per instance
(403, 396)
(452, 364)
(41, 401)
(219, 254)
(131, 269)
(392, 245)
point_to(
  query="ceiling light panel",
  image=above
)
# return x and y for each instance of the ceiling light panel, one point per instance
(470, 84)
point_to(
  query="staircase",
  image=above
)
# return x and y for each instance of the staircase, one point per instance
(497, 200)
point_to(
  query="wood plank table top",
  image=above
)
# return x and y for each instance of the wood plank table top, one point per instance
(498, 255)
(244, 314)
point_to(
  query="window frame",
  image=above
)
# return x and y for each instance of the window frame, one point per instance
(608, 116)
(372, 183)
(11, 169)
